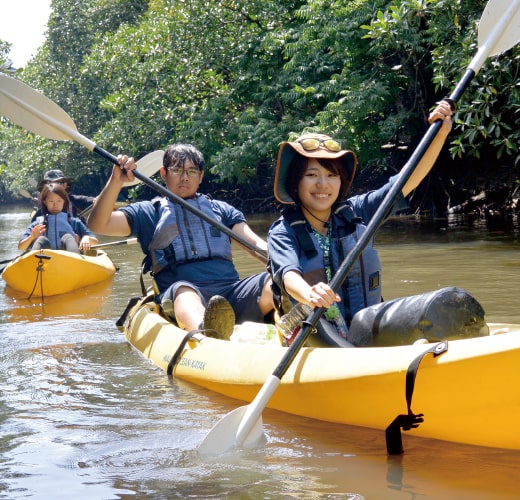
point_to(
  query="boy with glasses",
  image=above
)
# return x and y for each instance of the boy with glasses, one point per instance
(189, 258)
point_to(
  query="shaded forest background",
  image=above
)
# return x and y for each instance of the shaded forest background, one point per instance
(237, 78)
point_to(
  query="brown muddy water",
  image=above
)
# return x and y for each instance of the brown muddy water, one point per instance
(83, 415)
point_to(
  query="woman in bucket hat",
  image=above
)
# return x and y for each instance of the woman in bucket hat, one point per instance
(319, 225)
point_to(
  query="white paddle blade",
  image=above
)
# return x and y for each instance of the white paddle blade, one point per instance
(148, 165)
(24, 106)
(499, 27)
(222, 437)
(25, 194)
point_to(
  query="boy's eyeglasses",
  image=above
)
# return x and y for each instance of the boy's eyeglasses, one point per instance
(311, 144)
(190, 172)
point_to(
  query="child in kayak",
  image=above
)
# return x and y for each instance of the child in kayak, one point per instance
(55, 228)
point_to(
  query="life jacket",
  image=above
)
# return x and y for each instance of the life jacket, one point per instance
(362, 288)
(363, 284)
(57, 226)
(181, 236)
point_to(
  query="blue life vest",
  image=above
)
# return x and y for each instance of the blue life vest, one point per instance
(362, 287)
(181, 236)
(57, 226)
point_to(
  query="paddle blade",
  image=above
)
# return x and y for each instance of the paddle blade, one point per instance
(502, 17)
(18, 102)
(25, 194)
(148, 165)
(222, 437)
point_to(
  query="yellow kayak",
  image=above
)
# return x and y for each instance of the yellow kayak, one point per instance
(53, 272)
(468, 394)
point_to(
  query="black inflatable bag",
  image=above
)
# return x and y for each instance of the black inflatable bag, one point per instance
(445, 314)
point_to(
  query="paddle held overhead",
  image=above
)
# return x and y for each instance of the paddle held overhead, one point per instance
(499, 30)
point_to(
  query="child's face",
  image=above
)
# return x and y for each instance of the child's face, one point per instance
(54, 203)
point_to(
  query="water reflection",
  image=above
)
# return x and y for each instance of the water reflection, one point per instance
(83, 302)
(83, 415)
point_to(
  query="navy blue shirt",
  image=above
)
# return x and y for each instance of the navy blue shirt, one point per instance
(143, 218)
(283, 245)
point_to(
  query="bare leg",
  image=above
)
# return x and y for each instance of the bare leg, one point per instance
(266, 302)
(189, 311)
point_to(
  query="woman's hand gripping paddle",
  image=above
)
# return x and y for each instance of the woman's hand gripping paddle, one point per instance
(499, 30)
(33, 111)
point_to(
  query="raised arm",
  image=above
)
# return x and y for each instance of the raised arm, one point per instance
(104, 219)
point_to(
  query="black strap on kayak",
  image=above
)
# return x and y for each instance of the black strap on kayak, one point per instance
(179, 351)
(394, 442)
(120, 323)
(39, 274)
(131, 303)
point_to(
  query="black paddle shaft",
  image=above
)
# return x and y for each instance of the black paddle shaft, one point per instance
(310, 324)
(181, 201)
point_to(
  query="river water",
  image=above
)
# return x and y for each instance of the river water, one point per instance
(83, 415)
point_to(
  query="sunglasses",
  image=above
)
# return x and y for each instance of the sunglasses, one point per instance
(311, 144)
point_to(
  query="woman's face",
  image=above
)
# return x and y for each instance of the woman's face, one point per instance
(54, 203)
(319, 188)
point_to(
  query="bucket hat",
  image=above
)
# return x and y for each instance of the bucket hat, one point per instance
(55, 176)
(311, 145)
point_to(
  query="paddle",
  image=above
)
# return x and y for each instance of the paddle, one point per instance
(7, 261)
(498, 31)
(129, 241)
(33, 111)
(25, 194)
(148, 165)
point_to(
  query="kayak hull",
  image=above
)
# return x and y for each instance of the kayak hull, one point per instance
(468, 395)
(54, 272)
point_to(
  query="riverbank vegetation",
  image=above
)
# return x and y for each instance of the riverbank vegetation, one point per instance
(237, 78)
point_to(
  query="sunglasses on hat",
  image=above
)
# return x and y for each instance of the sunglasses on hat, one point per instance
(312, 143)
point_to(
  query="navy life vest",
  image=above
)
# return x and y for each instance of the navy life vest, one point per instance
(362, 287)
(57, 226)
(181, 236)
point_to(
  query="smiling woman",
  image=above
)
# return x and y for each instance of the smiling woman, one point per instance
(24, 32)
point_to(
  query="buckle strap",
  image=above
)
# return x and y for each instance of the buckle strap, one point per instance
(394, 443)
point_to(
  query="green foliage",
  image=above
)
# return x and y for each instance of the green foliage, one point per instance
(5, 62)
(237, 78)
